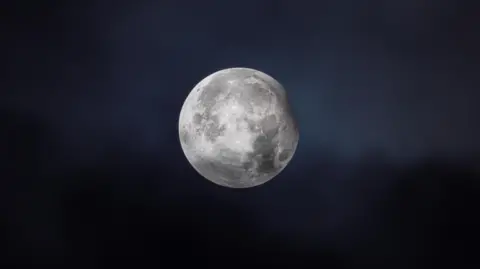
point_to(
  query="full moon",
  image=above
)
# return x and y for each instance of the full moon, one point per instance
(236, 128)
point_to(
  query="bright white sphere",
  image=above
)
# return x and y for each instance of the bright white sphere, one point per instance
(236, 128)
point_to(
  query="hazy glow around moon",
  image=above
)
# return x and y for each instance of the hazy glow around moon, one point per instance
(236, 128)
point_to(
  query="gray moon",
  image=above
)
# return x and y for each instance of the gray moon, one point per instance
(236, 128)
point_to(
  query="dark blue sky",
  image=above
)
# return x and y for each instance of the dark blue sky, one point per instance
(94, 90)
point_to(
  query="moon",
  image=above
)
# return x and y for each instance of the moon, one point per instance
(236, 128)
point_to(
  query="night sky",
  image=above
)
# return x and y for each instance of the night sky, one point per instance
(385, 94)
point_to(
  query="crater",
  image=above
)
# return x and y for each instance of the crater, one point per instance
(266, 163)
(230, 156)
(258, 94)
(197, 118)
(223, 171)
(252, 126)
(269, 123)
(213, 131)
(284, 155)
(264, 153)
(185, 137)
(211, 91)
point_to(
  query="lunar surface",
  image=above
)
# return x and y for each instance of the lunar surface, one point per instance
(236, 128)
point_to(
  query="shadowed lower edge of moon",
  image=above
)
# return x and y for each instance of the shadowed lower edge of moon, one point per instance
(217, 172)
(265, 163)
